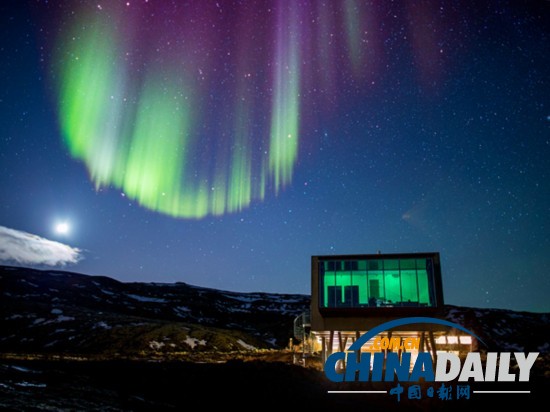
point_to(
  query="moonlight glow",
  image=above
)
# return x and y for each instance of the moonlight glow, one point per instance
(62, 228)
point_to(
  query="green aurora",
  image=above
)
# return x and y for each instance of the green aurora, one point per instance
(140, 132)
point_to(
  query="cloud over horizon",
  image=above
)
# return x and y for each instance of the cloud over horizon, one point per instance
(25, 248)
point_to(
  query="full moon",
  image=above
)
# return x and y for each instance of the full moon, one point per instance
(62, 228)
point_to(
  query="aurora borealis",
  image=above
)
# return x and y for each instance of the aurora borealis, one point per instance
(223, 143)
(136, 97)
(138, 123)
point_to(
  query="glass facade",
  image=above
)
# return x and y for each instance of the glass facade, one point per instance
(370, 283)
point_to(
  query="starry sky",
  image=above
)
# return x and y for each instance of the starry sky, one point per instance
(224, 143)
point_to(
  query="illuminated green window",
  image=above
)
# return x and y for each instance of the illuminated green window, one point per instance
(376, 283)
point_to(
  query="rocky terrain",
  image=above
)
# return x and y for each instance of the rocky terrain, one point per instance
(62, 312)
(75, 342)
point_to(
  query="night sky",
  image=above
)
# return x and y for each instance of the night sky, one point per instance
(224, 143)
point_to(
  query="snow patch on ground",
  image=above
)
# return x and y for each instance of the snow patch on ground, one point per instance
(56, 311)
(242, 298)
(30, 385)
(146, 298)
(60, 318)
(182, 311)
(34, 285)
(284, 299)
(232, 310)
(513, 347)
(103, 325)
(192, 342)
(22, 369)
(272, 341)
(156, 345)
(246, 345)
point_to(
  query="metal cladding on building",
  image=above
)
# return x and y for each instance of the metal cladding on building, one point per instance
(351, 294)
(357, 292)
